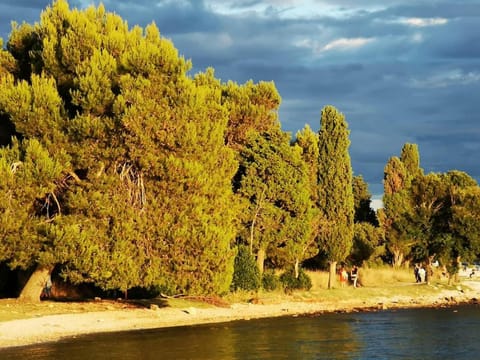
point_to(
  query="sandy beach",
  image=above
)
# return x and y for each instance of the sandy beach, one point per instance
(114, 318)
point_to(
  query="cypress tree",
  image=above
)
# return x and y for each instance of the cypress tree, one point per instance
(335, 194)
(410, 157)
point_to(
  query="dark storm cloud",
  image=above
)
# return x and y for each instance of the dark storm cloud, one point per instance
(400, 71)
(22, 11)
(172, 17)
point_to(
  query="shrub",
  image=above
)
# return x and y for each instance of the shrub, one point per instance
(246, 275)
(270, 281)
(289, 282)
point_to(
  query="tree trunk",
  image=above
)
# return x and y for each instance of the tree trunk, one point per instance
(35, 284)
(260, 259)
(297, 269)
(254, 220)
(397, 258)
(332, 274)
(429, 270)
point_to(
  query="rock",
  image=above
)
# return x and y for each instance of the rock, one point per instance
(97, 298)
(154, 307)
(190, 311)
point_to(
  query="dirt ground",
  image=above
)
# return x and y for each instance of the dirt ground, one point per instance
(23, 323)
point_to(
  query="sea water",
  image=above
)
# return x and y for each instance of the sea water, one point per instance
(447, 333)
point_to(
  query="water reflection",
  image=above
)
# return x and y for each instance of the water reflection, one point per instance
(326, 337)
(406, 334)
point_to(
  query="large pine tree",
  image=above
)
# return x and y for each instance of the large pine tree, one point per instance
(146, 191)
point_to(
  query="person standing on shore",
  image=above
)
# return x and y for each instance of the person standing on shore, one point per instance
(416, 271)
(421, 273)
(354, 275)
(343, 276)
(48, 287)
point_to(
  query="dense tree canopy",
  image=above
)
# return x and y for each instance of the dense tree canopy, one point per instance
(121, 169)
(427, 217)
(274, 184)
(146, 192)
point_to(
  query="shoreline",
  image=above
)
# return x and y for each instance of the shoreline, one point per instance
(50, 328)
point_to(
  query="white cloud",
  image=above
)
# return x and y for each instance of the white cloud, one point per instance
(423, 22)
(345, 44)
(449, 78)
(376, 204)
(284, 9)
(341, 44)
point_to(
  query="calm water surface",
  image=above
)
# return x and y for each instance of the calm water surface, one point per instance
(452, 333)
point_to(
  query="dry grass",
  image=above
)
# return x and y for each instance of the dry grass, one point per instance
(374, 282)
(386, 276)
(368, 277)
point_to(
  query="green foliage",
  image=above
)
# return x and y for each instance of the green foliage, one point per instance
(430, 216)
(270, 280)
(403, 213)
(410, 158)
(274, 184)
(335, 193)
(290, 282)
(246, 275)
(307, 140)
(464, 224)
(367, 244)
(397, 207)
(119, 166)
(251, 107)
(362, 201)
(28, 203)
(147, 200)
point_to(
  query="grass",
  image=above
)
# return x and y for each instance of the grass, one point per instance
(376, 283)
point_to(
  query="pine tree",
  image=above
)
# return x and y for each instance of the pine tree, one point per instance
(401, 218)
(29, 203)
(397, 204)
(274, 184)
(251, 107)
(308, 142)
(144, 148)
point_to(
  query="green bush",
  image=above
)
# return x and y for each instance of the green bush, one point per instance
(270, 281)
(246, 275)
(289, 282)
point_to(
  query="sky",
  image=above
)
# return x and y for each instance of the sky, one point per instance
(401, 71)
